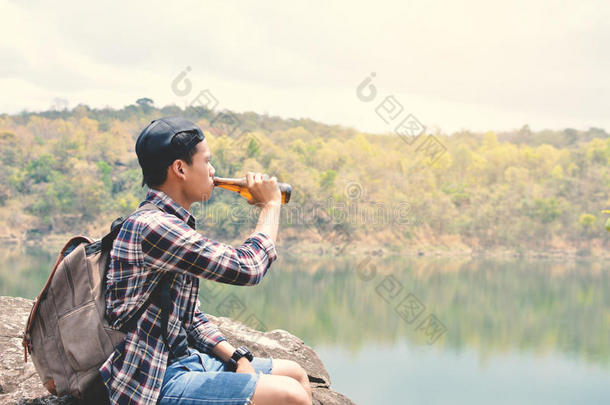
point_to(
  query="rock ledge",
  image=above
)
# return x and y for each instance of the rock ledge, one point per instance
(19, 383)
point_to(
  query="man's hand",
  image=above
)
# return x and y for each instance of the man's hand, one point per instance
(265, 194)
(244, 366)
(264, 190)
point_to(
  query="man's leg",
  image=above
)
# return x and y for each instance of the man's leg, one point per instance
(292, 369)
(287, 383)
(279, 389)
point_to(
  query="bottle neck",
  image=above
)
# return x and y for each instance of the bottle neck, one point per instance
(241, 182)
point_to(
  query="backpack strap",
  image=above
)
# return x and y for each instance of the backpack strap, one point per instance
(181, 348)
(116, 226)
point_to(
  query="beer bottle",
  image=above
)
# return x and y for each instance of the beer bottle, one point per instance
(240, 186)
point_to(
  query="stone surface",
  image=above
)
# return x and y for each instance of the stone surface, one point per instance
(19, 383)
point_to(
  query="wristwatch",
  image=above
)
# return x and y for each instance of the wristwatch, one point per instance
(238, 354)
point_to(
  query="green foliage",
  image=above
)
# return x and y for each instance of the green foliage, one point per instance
(106, 170)
(253, 148)
(546, 210)
(517, 189)
(40, 170)
(327, 179)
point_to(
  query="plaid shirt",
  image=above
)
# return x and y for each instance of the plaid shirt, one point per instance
(150, 244)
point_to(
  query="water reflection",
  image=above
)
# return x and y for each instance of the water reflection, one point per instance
(24, 270)
(489, 306)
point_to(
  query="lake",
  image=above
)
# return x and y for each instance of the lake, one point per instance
(421, 330)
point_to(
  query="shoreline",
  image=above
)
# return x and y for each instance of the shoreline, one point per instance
(361, 249)
(430, 251)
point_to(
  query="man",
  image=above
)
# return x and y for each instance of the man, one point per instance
(197, 364)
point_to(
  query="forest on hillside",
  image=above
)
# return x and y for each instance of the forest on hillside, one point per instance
(74, 171)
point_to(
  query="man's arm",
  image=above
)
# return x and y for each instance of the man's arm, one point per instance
(265, 194)
(207, 338)
(268, 220)
(169, 244)
(224, 350)
(203, 334)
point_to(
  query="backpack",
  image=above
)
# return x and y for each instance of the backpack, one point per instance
(67, 334)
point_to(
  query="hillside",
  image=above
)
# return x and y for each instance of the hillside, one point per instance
(74, 171)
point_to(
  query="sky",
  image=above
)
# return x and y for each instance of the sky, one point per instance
(477, 65)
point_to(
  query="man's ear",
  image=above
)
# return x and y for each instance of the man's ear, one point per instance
(178, 167)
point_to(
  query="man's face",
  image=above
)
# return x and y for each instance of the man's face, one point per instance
(200, 174)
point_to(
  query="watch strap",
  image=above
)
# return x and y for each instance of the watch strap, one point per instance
(240, 352)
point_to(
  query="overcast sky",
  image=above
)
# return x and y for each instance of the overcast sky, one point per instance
(452, 64)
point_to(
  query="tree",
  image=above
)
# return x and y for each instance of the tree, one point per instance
(145, 102)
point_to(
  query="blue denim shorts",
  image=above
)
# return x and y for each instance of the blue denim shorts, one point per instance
(202, 379)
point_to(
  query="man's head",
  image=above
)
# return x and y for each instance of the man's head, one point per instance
(174, 155)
